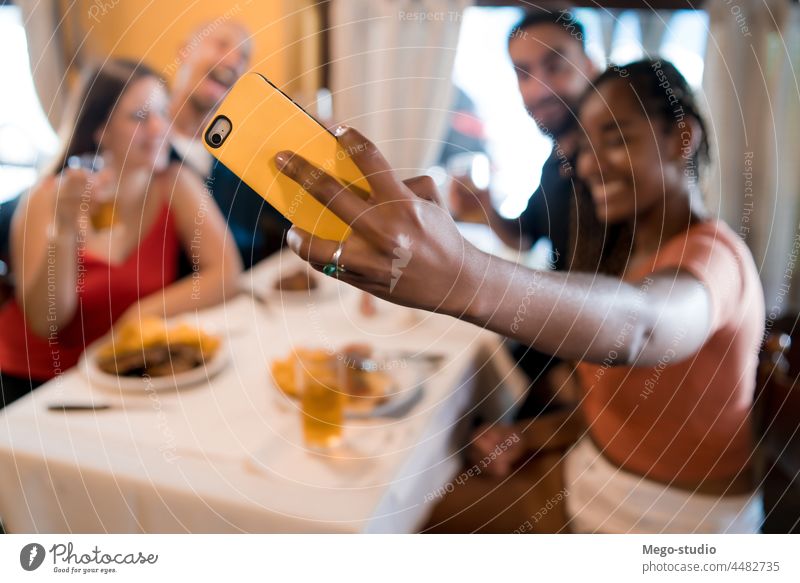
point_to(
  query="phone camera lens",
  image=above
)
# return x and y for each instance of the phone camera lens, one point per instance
(216, 139)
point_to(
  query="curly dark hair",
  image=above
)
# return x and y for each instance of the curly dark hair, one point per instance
(665, 95)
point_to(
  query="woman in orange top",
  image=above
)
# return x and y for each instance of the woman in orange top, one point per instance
(669, 345)
(91, 249)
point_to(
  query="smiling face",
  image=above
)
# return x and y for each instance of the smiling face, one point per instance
(552, 72)
(629, 161)
(213, 60)
(136, 131)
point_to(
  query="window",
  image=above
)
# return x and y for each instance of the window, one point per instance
(484, 72)
(26, 138)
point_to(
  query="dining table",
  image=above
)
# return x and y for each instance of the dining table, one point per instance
(226, 453)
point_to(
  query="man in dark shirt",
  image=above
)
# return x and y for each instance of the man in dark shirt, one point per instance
(553, 71)
(209, 63)
(548, 53)
(548, 211)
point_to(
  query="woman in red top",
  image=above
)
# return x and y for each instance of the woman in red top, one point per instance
(669, 344)
(76, 277)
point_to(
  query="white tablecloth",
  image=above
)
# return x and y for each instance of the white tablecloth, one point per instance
(227, 455)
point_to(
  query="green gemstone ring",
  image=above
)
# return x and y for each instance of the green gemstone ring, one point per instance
(330, 269)
(334, 268)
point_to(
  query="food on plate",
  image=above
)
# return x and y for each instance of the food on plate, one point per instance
(300, 280)
(149, 347)
(361, 378)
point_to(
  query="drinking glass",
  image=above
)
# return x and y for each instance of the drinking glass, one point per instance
(320, 382)
(102, 212)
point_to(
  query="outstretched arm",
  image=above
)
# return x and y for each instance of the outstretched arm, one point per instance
(580, 316)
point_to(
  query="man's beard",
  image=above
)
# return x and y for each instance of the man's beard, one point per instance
(566, 125)
(200, 106)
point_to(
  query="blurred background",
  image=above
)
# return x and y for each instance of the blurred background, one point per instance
(431, 83)
(429, 79)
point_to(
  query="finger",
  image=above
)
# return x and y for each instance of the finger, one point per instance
(425, 188)
(370, 161)
(347, 205)
(100, 187)
(361, 282)
(73, 176)
(486, 443)
(480, 432)
(319, 253)
(486, 433)
(499, 468)
(316, 251)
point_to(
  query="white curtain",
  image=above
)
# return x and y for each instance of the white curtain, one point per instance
(608, 25)
(391, 71)
(653, 25)
(753, 103)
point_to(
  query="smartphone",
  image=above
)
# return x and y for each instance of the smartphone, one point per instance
(255, 121)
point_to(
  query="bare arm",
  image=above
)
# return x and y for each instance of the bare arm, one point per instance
(575, 316)
(44, 234)
(593, 317)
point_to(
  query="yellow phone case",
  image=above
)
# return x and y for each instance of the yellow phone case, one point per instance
(264, 121)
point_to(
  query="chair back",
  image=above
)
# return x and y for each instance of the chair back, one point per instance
(776, 416)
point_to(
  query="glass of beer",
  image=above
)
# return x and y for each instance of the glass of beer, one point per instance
(103, 212)
(320, 382)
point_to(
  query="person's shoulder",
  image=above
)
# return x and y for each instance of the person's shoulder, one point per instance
(708, 246)
(719, 234)
(715, 227)
(706, 232)
(716, 249)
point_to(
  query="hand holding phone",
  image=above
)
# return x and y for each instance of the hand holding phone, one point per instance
(255, 122)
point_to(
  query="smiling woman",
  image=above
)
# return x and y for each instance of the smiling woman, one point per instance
(482, 71)
(689, 290)
(77, 276)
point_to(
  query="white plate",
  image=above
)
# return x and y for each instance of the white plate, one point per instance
(407, 388)
(197, 375)
(400, 403)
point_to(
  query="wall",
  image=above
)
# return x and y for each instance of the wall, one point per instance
(155, 30)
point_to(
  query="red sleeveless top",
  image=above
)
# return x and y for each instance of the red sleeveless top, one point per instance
(105, 291)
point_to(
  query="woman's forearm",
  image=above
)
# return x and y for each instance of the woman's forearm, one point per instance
(202, 289)
(49, 297)
(575, 316)
(571, 315)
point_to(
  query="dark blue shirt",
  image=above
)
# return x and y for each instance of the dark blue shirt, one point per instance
(548, 210)
(257, 228)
